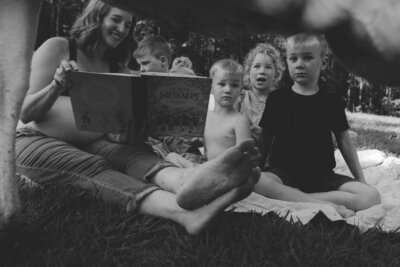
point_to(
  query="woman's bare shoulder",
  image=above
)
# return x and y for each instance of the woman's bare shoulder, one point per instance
(55, 46)
(49, 55)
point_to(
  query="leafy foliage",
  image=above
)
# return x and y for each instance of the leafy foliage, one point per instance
(58, 15)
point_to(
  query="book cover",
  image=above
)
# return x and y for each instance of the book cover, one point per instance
(171, 104)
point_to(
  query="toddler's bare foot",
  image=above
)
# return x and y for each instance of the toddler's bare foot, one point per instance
(207, 181)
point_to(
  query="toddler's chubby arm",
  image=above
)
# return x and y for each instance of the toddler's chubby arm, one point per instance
(349, 153)
(242, 128)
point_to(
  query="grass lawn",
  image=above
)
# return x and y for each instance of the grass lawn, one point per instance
(378, 132)
(64, 226)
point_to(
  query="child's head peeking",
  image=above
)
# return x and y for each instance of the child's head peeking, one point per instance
(153, 54)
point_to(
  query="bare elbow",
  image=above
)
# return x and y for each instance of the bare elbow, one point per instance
(24, 117)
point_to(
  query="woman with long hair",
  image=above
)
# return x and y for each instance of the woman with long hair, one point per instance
(49, 148)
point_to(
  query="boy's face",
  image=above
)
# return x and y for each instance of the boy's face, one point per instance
(226, 87)
(304, 62)
(262, 72)
(148, 63)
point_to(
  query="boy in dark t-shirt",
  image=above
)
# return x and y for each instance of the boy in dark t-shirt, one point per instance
(299, 120)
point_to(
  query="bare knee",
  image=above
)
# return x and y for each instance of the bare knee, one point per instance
(270, 178)
(267, 182)
(374, 197)
(368, 198)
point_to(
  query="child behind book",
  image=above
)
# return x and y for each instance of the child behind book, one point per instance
(300, 121)
(182, 61)
(153, 54)
(263, 67)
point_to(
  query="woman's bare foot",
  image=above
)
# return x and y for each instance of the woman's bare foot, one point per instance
(163, 204)
(207, 181)
(197, 220)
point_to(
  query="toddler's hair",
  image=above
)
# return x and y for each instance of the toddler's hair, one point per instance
(228, 65)
(305, 38)
(182, 70)
(156, 45)
(264, 49)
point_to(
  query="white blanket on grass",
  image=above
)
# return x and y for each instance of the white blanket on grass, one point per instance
(381, 171)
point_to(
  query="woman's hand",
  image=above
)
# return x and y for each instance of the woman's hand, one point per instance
(61, 74)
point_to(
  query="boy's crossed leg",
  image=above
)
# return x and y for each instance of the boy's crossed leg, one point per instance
(354, 195)
(270, 185)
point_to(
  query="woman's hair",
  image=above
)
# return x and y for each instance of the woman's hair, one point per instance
(264, 49)
(87, 31)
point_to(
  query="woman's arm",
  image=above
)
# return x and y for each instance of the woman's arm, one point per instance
(349, 153)
(47, 80)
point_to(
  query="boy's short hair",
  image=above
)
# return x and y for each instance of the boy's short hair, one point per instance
(304, 38)
(156, 45)
(228, 65)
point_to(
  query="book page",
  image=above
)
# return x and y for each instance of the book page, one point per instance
(177, 105)
(101, 102)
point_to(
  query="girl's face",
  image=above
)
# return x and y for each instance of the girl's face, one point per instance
(262, 73)
(115, 27)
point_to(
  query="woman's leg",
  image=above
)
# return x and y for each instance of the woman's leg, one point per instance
(163, 204)
(194, 186)
(45, 160)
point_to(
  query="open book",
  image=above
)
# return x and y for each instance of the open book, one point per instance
(170, 104)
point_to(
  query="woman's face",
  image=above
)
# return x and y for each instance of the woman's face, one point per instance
(262, 73)
(115, 27)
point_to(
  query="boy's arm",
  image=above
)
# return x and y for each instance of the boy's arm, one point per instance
(265, 145)
(349, 153)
